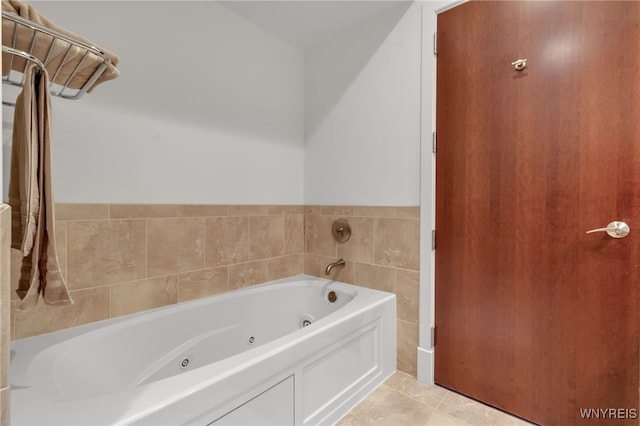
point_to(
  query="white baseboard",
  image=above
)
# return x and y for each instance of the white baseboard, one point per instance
(425, 366)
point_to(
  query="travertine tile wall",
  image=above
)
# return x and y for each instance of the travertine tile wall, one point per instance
(120, 259)
(5, 244)
(383, 253)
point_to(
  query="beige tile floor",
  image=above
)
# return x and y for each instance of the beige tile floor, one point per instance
(403, 401)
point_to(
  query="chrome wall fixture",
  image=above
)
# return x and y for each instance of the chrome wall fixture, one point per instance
(340, 263)
(72, 73)
(341, 230)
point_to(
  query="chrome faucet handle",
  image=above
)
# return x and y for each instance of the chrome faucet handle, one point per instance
(341, 230)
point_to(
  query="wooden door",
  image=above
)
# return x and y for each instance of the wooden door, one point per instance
(533, 315)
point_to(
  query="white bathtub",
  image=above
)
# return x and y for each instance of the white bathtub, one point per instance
(240, 358)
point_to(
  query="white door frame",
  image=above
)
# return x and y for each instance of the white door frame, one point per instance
(430, 10)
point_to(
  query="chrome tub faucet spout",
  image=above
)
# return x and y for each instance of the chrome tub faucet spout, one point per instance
(338, 263)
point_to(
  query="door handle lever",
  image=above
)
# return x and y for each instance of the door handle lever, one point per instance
(607, 229)
(615, 229)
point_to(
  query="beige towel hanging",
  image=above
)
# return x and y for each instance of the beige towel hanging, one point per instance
(31, 198)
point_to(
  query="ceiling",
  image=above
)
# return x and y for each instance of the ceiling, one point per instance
(305, 23)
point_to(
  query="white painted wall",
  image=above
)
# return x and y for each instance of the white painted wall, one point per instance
(362, 114)
(212, 109)
(208, 109)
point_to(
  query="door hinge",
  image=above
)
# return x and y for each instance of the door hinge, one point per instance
(433, 142)
(435, 43)
(433, 337)
(433, 239)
